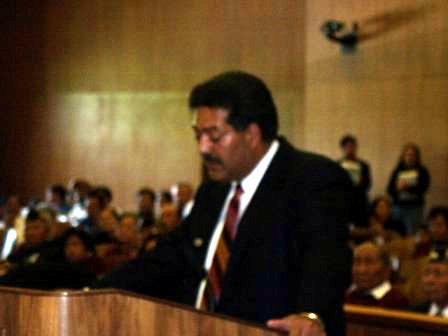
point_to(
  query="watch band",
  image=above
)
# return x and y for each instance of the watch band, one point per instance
(315, 318)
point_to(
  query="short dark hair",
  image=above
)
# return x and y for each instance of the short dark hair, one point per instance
(346, 139)
(148, 192)
(438, 211)
(245, 96)
(83, 236)
(99, 195)
(107, 193)
(58, 189)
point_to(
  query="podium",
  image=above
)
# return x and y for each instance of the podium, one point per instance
(25, 312)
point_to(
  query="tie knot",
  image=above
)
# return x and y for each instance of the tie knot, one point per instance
(239, 190)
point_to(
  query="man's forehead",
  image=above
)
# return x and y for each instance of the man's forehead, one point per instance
(367, 250)
(209, 117)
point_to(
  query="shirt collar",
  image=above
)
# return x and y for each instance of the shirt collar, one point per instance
(434, 309)
(381, 290)
(251, 181)
(378, 292)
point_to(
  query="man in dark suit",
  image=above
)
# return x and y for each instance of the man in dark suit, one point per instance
(289, 264)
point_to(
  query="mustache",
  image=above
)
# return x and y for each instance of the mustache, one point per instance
(208, 158)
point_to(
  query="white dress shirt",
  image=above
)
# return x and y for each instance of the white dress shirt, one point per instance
(249, 185)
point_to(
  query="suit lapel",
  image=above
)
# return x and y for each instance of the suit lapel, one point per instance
(261, 210)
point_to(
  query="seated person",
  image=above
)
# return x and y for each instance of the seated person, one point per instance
(95, 204)
(370, 275)
(169, 220)
(78, 269)
(36, 231)
(381, 221)
(438, 225)
(435, 284)
(55, 198)
(145, 207)
(382, 228)
(123, 246)
(436, 234)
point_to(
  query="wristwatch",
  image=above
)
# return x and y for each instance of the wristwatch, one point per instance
(315, 318)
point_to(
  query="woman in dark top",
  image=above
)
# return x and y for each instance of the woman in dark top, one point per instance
(407, 187)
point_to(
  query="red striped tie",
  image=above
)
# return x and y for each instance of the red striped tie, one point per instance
(222, 254)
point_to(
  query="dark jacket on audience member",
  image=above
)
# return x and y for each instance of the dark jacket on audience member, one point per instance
(393, 299)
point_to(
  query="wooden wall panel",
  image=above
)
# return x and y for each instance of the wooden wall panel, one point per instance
(110, 103)
(390, 91)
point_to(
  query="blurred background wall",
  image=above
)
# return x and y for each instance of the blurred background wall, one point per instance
(98, 89)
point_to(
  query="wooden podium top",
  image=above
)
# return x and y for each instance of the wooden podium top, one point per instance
(109, 312)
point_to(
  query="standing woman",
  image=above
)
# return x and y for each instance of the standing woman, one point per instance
(407, 187)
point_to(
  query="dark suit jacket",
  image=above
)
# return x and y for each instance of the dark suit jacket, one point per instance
(289, 254)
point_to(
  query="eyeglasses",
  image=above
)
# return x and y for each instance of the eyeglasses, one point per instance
(213, 134)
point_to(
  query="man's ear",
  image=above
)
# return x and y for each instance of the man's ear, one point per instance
(253, 134)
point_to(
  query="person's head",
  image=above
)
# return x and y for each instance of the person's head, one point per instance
(435, 277)
(78, 190)
(438, 223)
(55, 195)
(106, 193)
(95, 203)
(78, 246)
(109, 220)
(410, 155)
(128, 231)
(371, 266)
(145, 200)
(182, 193)
(382, 208)
(349, 146)
(235, 120)
(36, 228)
(13, 205)
(169, 216)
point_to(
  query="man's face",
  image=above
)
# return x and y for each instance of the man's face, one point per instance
(226, 153)
(439, 228)
(35, 232)
(368, 269)
(145, 203)
(435, 282)
(349, 150)
(75, 250)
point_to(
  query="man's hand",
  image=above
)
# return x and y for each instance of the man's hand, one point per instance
(297, 325)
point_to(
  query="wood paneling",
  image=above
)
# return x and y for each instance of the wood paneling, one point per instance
(115, 78)
(100, 88)
(392, 90)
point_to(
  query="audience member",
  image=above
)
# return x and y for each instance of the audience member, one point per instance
(128, 235)
(77, 269)
(145, 207)
(78, 190)
(433, 235)
(371, 285)
(95, 203)
(435, 285)
(36, 230)
(438, 225)
(13, 218)
(381, 222)
(359, 172)
(55, 198)
(407, 187)
(169, 220)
